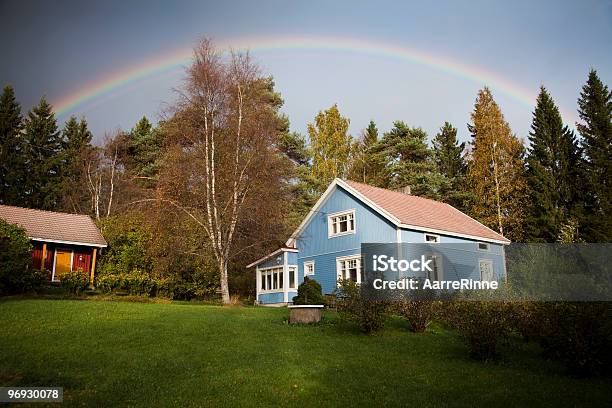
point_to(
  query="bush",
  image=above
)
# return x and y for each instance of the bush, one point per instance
(141, 284)
(418, 313)
(370, 315)
(482, 324)
(309, 293)
(578, 334)
(74, 282)
(16, 272)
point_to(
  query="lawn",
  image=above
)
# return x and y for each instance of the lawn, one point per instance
(135, 354)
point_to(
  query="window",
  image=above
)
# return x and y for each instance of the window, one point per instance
(483, 246)
(272, 279)
(436, 273)
(486, 270)
(309, 268)
(432, 239)
(349, 268)
(341, 223)
(292, 277)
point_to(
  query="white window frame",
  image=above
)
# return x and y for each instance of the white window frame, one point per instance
(490, 262)
(487, 249)
(264, 272)
(339, 263)
(307, 265)
(437, 237)
(292, 270)
(438, 263)
(330, 224)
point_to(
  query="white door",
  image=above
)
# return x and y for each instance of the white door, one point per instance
(486, 270)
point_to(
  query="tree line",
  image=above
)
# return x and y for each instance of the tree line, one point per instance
(555, 189)
(221, 179)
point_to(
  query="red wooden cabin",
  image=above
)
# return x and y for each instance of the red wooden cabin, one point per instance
(62, 242)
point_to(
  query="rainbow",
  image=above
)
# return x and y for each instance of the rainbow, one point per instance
(167, 62)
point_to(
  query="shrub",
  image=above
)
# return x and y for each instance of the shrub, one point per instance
(578, 334)
(418, 307)
(74, 281)
(141, 284)
(482, 324)
(418, 313)
(128, 236)
(309, 293)
(16, 272)
(368, 314)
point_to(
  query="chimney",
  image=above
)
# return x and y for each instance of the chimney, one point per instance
(404, 190)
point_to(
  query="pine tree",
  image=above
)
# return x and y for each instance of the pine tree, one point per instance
(331, 146)
(552, 169)
(448, 155)
(595, 111)
(144, 152)
(495, 169)
(43, 150)
(12, 171)
(409, 161)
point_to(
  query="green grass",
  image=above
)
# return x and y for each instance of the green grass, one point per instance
(149, 355)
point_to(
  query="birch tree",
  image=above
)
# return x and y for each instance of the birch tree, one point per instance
(222, 168)
(331, 146)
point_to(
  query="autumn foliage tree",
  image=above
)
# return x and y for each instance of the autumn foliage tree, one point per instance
(222, 168)
(331, 146)
(495, 169)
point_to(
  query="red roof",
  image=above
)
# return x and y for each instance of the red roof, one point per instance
(54, 226)
(422, 212)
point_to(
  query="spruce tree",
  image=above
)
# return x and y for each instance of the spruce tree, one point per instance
(448, 152)
(144, 152)
(43, 153)
(552, 169)
(448, 155)
(12, 172)
(77, 153)
(595, 111)
(368, 166)
(495, 172)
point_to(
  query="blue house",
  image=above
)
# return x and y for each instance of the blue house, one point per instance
(327, 244)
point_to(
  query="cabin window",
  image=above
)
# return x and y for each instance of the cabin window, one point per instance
(431, 238)
(272, 279)
(486, 270)
(483, 246)
(350, 268)
(309, 268)
(292, 277)
(341, 223)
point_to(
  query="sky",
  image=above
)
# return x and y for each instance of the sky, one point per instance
(420, 62)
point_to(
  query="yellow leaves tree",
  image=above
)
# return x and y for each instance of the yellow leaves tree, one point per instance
(495, 169)
(331, 146)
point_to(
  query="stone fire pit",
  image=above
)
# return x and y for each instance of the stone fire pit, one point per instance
(305, 314)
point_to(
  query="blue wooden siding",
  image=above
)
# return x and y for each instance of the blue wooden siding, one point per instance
(314, 243)
(268, 298)
(462, 255)
(276, 260)
(292, 258)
